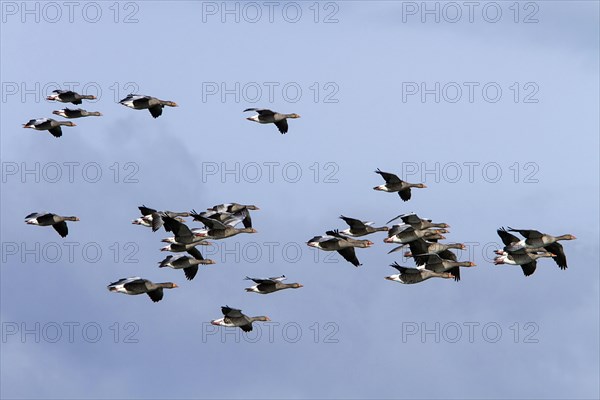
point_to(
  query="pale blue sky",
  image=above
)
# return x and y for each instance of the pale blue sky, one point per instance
(174, 52)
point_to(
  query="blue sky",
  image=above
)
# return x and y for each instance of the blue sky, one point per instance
(348, 333)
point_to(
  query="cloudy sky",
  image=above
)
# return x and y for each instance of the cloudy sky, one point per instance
(494, 106)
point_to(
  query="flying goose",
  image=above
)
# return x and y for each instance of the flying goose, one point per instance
(265, 116)
(526, 259)
(536, 239)
(360, 228)
(219, 230)
(137, 285)
(183, 234)
(413, 220)
(48, 124)
(77, 113)
(420, 246)
(46, 219)
(344, 245)
(229, 218)
(270, 285)
(437, 264)
(191, 249)
(232, 207)
(234, 317)
(153, 218)
(395, 184)
(141, 102)
(405, 234)
(188, 264)
(415, 275)
(68, 96)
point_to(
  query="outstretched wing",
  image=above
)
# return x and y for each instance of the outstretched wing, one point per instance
(350, 255)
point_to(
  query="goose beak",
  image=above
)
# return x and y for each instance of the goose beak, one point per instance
(389, 278)
(472, 264)
(249, 119)
(387, 240)
(175, 285)
(268, 319)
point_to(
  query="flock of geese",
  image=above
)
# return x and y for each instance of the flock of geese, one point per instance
(421, 236)
(137, 102)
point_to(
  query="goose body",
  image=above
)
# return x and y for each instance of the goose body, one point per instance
(410, 276)
(69, 96)
(421, 246)
(48, 219)
(142, 102)
(395, 184)
(48, 124)
(334, 241)
(266, 116)
(413, 220)
(270, 285)
(188, 264)
(219, 230)
(233, 317)
(435, 263)
(137, 285)
(360, 228)
(404, 234)
(76, 113)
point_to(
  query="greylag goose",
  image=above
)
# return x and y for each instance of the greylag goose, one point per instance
(141, 102)
(183, 234)
(344, 245)
(360, 228)
(46, 219)
(229, 218)
(153, 218)
(437, 264)
(48, 124)
(232, 207)
(219, 230)
(68, 96)
(234, 317)
(527, 259)
(395, 184)
(413, 220)
(535, 239)
(137, 285)
(420, 246)
(265, 116)
(188, 264)
(270, 285)
(405, 234)
(77, 113)
(415, 275)
(191, 249)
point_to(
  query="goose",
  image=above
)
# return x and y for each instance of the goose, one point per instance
(395, 184)
(153, 218)
(344, 245)
(137, 285)
(265, 116)
(437, 264)
(189, 247)
(141, 102)
(234, 317)
(413, 220)
(232, 207)
(183, 234)
(415, 275)
(199, 233)
(188, 264)
(420, 246)
(404, 234)
(68, 96)
(77, 113)
(229, 218)
(48, 124)
(535, 239)
(46, 219)
(270, 285)
(360, 228)
(219, 230)
(526, 259)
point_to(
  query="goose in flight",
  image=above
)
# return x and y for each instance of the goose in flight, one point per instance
(270, 285)
(48, 124)
(409, 275)
(48, 219)
(137, 285)
(69, 96)
(152, 104)
(395, 184)
(234, 317)
(265, 116)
